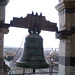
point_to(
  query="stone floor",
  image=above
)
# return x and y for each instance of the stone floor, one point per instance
(55, 72)
(37, 72)
(43, 74)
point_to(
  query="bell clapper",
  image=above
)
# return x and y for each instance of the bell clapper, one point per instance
(23, 71)
(33, 70)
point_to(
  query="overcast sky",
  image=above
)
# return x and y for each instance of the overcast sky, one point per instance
(20, 8)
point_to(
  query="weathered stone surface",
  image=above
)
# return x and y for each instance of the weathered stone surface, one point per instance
(2, 13)
(64, 48)
(1, 71)
(66, 14)
(65, 4)
(66, 70)
(61, 70)
(66, 0)
(69, 0)
(3, 31)
(66, 10)
(61, 20)
(72, 46)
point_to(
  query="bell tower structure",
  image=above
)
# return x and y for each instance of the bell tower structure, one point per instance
(3, 31)
(66, 11)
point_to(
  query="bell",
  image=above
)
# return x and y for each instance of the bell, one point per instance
(33, 56)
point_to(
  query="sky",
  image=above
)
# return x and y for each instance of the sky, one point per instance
(20, 8)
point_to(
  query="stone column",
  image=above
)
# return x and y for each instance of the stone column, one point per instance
(3, 3)
(66, 11)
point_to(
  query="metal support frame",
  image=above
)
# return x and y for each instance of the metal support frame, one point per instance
(34, 23)
(59, 34)
(4, 25)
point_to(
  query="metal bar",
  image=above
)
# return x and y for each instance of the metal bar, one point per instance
(33, 70)
(3, 25)
(23, 71)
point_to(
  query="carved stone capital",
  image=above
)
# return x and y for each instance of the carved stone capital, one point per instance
(66, 0)
(65, 4)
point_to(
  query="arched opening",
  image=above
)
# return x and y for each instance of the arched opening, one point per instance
(16, 35)
(21, 9)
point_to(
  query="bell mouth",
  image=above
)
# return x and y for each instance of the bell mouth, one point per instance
(32, 65)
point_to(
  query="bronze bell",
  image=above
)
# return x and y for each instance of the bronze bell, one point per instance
(33, 56)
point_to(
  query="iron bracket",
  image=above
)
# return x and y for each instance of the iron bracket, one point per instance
(64, 34)
(4, 25)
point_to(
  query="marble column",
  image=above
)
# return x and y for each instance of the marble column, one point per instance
(3, 31)
(66, 11)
